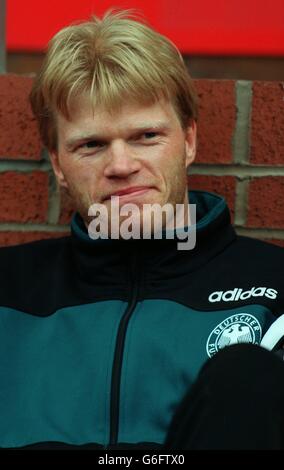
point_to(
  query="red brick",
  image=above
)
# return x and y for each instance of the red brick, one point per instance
(216, 123)
(17, 238)
(24, 196)
(67, 208)
(19, 136)
(223, 185)
(266, 202)
(267, 123)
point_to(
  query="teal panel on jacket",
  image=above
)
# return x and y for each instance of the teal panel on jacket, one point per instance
(166, 345)
(55, 374)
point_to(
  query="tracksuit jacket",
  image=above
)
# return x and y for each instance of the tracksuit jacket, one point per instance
(101, 339)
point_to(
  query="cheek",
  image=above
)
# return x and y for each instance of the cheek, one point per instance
(175, 162)
(86, 183)
(176, 172)
(78, 174)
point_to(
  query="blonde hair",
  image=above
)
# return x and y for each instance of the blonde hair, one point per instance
(113, 59)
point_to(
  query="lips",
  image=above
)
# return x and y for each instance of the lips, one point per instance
(133, 191)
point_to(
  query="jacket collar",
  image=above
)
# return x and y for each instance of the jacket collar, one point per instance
(108, 261)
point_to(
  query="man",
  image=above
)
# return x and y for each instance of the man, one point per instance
(103, 339)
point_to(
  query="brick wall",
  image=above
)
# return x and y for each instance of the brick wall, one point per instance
(240, 156)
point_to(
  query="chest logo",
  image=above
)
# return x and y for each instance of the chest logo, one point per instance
(238, 328)
(237, 294)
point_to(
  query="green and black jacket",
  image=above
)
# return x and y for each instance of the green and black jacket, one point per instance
(101, 339)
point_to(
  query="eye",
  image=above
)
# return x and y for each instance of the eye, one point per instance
(146, 137)
(149, 135)
(91, 144)
(90, 147)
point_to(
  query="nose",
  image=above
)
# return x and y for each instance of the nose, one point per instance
(121, 161)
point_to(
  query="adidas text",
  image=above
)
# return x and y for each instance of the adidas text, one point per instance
(239, 294)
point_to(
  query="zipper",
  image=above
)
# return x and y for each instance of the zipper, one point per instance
(118, 358)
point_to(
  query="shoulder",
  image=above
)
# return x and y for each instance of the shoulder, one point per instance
(32, 247)
(24, 257)
(248, 260)
(32, 272)
(255, 248)
(253, 259)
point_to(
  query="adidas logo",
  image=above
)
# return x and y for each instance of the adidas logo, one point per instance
(240, 294)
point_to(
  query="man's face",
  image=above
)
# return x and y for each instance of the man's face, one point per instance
(139, 153)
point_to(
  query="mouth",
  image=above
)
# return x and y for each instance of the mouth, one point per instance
(130, 192)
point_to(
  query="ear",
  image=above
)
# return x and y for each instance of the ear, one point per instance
(54, 158)
(190, 142)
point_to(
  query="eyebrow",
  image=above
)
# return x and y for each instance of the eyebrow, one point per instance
(143, 126)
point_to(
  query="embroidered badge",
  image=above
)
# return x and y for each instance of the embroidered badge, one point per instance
(238, 328)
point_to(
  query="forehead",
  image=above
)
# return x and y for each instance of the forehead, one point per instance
(84, 118)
